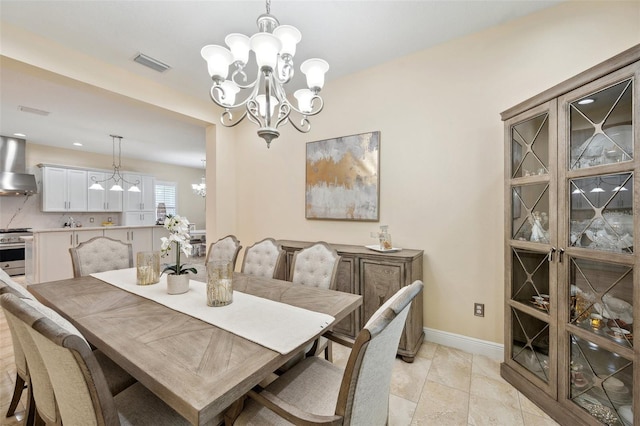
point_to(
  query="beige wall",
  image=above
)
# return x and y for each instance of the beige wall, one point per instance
(441, 151)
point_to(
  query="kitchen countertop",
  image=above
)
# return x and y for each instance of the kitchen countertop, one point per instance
(88, 228)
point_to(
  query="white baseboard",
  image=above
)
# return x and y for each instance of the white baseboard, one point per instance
(465, 343)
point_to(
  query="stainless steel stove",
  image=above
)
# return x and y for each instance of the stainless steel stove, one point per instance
(12, 250)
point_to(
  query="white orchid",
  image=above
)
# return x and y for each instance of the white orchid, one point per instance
(178, 228)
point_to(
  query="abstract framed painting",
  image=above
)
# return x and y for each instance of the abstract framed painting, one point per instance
(343, 178)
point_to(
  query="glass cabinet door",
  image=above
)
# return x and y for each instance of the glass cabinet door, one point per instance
(598, 281)
(531, 275)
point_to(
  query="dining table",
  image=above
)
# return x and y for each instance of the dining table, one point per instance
(197, 368)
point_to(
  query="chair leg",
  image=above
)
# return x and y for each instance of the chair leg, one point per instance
(30, 420)
(17, 393)
(328, 352)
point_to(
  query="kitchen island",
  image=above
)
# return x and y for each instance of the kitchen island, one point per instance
(47, 256)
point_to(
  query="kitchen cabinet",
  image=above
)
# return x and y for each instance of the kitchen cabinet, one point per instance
(143, 200)
(141, 239)
(51, 259)
(63, 189)
(139, 207)
(102, 200)
(572, 290)
(376, 276)
(139, 218)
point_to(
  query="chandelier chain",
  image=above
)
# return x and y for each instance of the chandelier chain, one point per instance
(268, 7)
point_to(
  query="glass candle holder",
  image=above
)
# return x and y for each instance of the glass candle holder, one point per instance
(147, 267)
(219, 283)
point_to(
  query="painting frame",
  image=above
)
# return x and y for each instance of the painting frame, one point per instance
(342, 178)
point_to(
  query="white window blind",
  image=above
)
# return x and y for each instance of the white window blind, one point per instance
(166, 193)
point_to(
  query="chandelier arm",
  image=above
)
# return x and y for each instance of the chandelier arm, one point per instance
(288, 71)
(217, 89)
(305, 124)
(228, 116)
(254, 112)
(240, 71)
(283, 113)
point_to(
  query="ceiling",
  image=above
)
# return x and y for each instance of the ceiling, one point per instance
(350, 35)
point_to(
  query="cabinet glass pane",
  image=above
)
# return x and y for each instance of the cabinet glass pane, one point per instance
(601, 382)
(530, 278)
(601, 127)
(602, 212)
(530, 213)
(530, 147)
(530, 345)
(602, 299)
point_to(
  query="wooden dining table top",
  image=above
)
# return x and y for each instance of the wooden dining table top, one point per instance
(195, 367)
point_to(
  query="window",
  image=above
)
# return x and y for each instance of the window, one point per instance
(165, 195)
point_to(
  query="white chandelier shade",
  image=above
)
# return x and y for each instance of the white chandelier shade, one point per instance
(274, 47)
(116, 176)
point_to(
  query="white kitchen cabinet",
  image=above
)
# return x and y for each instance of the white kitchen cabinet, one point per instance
(139, 218)
(51, 258)
(64, 190)
(141, 239)
(102, 200)
(143, 200)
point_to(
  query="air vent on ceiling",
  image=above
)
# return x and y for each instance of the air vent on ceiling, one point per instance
(33, 110)
(148, 61)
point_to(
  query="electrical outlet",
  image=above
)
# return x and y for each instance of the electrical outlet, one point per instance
(90, 220)
(478, 309)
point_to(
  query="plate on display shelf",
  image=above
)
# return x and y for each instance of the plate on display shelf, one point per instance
(376, 247)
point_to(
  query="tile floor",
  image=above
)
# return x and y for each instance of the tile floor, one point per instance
(443, 386)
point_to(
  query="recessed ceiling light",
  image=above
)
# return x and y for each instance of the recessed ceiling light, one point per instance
(20, 135)
(77, 144)
(586, 101)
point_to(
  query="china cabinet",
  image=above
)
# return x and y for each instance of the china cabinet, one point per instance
(572, 287)
(376, 276)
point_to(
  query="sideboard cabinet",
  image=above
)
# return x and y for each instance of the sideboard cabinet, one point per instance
(376, 276)
(572, 281)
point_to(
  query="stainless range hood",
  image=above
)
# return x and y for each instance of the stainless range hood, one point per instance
(13, 177)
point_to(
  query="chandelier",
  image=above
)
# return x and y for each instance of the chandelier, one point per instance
(265, 99)
(200, 188)
(115, 176)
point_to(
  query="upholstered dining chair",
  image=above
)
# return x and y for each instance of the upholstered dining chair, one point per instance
(7, 285)
(81, 391)
(226, 248)
(316, 391)
(263, 259)
(100, 254)
(43, 405)
(316, 266)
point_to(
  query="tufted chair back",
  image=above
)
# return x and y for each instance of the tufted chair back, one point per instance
(226, 248)
(263, 259)
(100, 254)
(315, 266)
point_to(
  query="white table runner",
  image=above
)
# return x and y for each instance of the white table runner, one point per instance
(272, 324)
